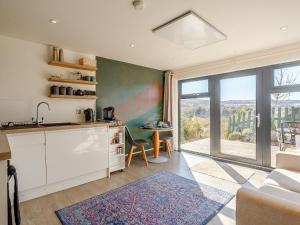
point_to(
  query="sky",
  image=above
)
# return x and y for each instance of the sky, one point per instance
(200, 86)
(289, 75)
(238, 88)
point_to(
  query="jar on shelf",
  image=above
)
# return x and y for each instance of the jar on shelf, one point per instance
(117, 140)
(54, 90)
(61, 55)
(62, 90)
(119, 150)
(55, 54)
(120, 136)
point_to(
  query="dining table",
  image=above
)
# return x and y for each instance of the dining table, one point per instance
(156, 158)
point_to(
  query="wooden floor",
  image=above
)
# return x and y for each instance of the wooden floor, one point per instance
(40, 211)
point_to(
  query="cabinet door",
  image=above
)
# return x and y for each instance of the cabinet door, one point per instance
(75, 152)
(28, 156)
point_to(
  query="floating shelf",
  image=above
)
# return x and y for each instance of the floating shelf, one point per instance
(72, 66)
(73, 97)
(118, 155)
(72, 81)
(117, 144)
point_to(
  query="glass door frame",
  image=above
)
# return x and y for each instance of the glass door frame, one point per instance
(270, 88)
(216, 149)
(265, 87)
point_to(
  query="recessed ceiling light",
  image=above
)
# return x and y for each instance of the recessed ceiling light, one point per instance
(284, 28)
(138, 4)
(131, 45)
(53, 21)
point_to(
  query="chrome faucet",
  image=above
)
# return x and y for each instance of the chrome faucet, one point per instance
(37, 112)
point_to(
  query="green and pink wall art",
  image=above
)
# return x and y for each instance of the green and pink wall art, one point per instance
(136, 92)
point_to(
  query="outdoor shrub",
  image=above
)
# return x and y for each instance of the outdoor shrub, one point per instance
(192, 128)
(248, 135)
(234, 136)
(274, 138)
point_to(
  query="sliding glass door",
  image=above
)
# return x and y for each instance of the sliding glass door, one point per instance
(220, 116)
(247, 116)
(238, 116)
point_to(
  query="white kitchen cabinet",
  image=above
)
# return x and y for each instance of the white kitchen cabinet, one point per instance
(76, 152)
(3, 192)
(28, 156)
(116, 156)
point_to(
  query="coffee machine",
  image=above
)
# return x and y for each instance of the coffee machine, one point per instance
(109, 117)
(109, 113)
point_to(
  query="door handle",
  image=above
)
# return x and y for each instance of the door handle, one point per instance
(258, 120)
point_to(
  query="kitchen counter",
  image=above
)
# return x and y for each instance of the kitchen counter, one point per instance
(5, 152)
(54, 157)
(4, 147)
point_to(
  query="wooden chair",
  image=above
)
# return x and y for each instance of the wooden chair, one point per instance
(166, 138)
(135, 144)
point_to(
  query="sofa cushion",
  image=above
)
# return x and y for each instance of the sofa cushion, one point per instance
(285, 179)
(281, 193)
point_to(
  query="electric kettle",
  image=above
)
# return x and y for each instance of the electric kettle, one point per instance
(89, 115)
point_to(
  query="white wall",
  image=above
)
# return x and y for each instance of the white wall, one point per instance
(252, 60)
(23, 83)
(278, 55)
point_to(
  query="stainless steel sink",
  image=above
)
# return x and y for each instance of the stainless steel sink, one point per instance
(28, 126)
(58, 124)
(25, 126)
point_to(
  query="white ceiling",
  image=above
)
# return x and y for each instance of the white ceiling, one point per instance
(107, 27)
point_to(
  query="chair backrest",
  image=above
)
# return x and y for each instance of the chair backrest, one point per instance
(128, 136)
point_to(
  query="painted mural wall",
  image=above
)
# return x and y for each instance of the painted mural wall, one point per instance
(136, 92)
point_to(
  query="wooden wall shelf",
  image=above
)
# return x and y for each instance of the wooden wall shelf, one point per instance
(72, 66)
(72, 81)
(73, 97)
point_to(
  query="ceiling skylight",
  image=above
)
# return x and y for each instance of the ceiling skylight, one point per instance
(190, 31)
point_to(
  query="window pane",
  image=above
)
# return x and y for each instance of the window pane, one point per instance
(285, 123)
(238, 116)
(194, 87)
(195, 125)
(287, 76)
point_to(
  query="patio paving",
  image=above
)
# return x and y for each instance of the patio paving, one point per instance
(237, 148)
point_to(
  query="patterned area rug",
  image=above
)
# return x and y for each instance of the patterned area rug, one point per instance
(162, 199)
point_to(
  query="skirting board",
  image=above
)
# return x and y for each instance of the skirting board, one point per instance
(51, 188)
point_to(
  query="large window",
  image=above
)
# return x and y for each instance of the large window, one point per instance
(195, 116)
(195, 125)
(285, 111)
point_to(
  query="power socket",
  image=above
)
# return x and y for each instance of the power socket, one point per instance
(78, 111)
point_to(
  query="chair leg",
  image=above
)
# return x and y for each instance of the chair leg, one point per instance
(130, 155)
(168, 145)
(171, 146)
(144, 155)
